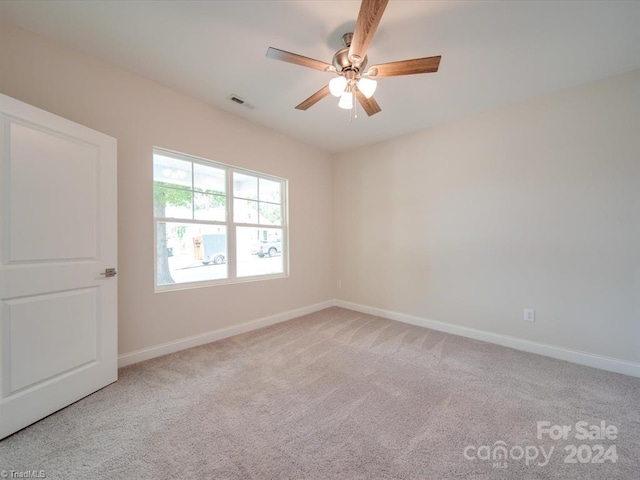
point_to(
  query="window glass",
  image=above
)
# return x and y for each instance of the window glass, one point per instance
(245, 211)
(172, 172)
(245, 186)
(190, 252)
(270, 191)
(259, 251)
(209, 207)
(209, 180)
(270, 214)
(216, 223)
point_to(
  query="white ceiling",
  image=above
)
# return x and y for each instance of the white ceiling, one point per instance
(493, 53)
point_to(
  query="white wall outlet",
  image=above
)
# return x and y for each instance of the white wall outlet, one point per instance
(338, 283)
(529, 315)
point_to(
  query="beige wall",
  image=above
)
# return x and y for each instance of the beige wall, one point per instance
(536, 205)
(141, 114)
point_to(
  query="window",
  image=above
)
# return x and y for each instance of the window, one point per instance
(216, 223)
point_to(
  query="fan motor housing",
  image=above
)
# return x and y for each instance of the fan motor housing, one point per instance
(341, 58)
(342, 63)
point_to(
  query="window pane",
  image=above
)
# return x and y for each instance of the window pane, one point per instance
(245, 186)
(270, 191)
(208, 179)
(172, 202)
(209, 207)
(259, 251)
(270, 214)
(245, 211)
(190, 253)
(170, 171)
(195, 190)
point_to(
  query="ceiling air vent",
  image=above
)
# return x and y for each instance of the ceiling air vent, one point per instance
(239, 100)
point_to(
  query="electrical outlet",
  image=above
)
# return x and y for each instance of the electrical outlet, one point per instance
(338, 283)
(529, 315)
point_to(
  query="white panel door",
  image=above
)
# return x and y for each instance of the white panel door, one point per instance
(58, 309)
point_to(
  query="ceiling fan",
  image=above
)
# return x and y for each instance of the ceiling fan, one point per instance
(353, 78)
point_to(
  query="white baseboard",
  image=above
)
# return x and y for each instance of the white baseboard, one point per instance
(582, 358)
(212, 336)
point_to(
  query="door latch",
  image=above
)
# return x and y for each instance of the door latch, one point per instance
(109, 272)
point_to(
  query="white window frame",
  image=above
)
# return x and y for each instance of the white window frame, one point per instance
(230, 224)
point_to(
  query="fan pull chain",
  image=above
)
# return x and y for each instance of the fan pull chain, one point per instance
(355, 106)
(353, 112)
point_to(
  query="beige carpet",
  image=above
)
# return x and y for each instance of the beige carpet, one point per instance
(339, 394)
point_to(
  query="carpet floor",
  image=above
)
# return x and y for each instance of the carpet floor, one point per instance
(342, 395)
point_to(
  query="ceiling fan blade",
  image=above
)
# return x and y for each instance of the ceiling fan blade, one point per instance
(368, 19)
(277, 54)
(368, 104)
(313, 99)
(405, 67)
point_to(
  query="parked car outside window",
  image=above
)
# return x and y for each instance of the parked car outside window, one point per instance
(268, 249)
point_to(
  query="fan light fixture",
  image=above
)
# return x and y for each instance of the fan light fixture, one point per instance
(337, 86)
(343, 88)
(346, 100)
(367, 86)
